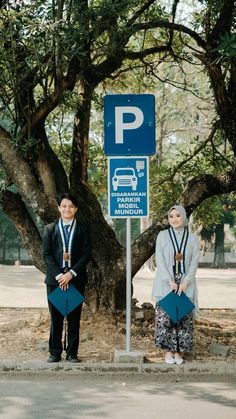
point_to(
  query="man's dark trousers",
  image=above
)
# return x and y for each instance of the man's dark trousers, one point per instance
(57, 319)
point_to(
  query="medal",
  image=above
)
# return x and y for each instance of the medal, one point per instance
(66, 256)
(178, 257)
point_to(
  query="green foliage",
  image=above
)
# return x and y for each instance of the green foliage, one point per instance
(59, 129)
(184, 116)
(214, 211)
(226, 48)
(165, 195)
(209, 213)
(98, 170)
(213, 8)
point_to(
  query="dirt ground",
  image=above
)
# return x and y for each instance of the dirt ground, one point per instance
(24, 334)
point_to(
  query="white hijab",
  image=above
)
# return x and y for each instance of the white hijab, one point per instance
(182, 212)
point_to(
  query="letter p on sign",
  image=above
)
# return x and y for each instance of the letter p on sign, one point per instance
(121, 126)
(129, 125)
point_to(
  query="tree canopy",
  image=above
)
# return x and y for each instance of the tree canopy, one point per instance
(59, 57)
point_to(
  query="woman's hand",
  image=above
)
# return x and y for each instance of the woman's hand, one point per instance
(182, 288)
(173, 286)
(64, 281)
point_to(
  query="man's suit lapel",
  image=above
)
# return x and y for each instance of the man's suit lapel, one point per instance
(58, 238)
(75, 242)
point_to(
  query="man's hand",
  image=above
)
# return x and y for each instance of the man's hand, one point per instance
(64, 280)
(182, 288)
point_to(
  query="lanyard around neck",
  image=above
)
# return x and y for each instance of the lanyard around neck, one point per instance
(66, 244)
(179, 251)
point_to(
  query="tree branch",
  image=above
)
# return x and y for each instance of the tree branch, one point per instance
(139, 12)
(224, 22)
(174, 9)
(42, 111)
(195, 152)
(169, 25)
(202, 187)
(114, 60)
(135, 55)
(221, 155)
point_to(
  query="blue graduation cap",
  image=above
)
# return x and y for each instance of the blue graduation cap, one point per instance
(66, 301)
(176, 306)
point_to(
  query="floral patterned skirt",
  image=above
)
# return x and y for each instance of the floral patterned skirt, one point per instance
(172, 337)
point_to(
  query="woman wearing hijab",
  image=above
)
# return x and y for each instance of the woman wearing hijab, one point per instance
(176, 262)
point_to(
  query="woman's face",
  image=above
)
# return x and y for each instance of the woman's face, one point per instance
(175, 219)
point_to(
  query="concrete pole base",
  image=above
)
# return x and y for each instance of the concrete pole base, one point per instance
(128, 357)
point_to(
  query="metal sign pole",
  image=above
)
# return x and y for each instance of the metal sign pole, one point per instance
(128, 284)
(128, 167)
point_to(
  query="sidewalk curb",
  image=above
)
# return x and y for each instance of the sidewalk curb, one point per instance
(190, 368)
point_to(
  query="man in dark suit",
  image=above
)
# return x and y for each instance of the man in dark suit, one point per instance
(66, 252)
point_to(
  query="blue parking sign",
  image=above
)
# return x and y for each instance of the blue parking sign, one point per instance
(128, 193)
(129, 125)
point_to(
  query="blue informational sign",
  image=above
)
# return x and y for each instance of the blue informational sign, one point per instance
(128, 192)
(129, 125)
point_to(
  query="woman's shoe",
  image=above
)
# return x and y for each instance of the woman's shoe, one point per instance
(169, 358)
(178, 359)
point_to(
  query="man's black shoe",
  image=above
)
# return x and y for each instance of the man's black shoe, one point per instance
(73, 358)
(54, 358)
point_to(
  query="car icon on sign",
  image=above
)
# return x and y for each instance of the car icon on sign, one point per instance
(124, 176)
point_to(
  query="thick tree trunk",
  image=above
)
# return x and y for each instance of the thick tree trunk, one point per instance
(21, 174)
(16, 210)
(79, 156)
(219, 255)
(49, 169)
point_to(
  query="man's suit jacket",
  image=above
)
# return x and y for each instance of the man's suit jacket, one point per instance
(53, 252)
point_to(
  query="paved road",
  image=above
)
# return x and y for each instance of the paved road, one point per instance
(22, 286)
(93, 397)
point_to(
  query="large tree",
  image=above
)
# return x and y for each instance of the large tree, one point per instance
(57, 51)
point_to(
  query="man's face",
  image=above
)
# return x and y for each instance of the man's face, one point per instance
(67, 209)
